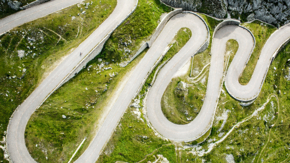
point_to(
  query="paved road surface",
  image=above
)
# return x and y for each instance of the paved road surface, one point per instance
(15, 136)
(33, 13)
(202, 123)
(138, 75)
(251, 91)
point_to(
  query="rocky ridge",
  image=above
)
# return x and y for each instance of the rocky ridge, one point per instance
(276, 12)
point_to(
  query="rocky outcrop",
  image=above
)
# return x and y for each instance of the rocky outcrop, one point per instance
(276, 12)
(215, 8)
(15, 5)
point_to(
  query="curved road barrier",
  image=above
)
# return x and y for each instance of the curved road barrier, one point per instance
(33, 13)
(225, 31)
(17, 124)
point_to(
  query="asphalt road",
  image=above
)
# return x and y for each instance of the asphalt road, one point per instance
(15, 136)
(33, 13)
(250, 91)
(202, 123)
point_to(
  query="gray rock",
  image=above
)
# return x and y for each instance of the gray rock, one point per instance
(251, 17)
(287, 2)
(217, 8)
(15, 5)
(275, 10)
(256, 4)
(249, 8)
(235, 5)
(264, 15)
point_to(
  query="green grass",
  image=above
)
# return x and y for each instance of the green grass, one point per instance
(6, 10)
(255, 139)
(19, 77)
(125, 144)
(183, 108)
(261, 34)
(134, 141)
(83, 99)
(231, 49)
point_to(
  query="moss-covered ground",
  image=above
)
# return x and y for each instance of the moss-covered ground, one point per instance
(73, 112)
(255, 133)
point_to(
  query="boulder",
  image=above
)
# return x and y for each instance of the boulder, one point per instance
(275, 10)
(287, 2)
(181, 89)
(256, 4)
(15, 5)
(251, 17)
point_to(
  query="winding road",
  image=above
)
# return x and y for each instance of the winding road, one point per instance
(199, 126)
(245, 93)
(17, 124)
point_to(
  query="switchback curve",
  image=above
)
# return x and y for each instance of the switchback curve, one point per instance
(203, 122)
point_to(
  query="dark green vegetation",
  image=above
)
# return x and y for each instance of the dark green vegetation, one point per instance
(6, 10)
(261, 138)
(42, 48)
(74, 111)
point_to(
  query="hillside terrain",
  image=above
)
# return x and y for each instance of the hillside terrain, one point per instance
(65, 125)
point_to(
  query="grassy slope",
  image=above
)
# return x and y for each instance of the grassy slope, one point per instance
(245, 143)
(131, 136)
(83, 99)
(19, 77)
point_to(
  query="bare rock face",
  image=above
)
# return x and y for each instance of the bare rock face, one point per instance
(15, 5)
(215, 8)
(276, 12)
